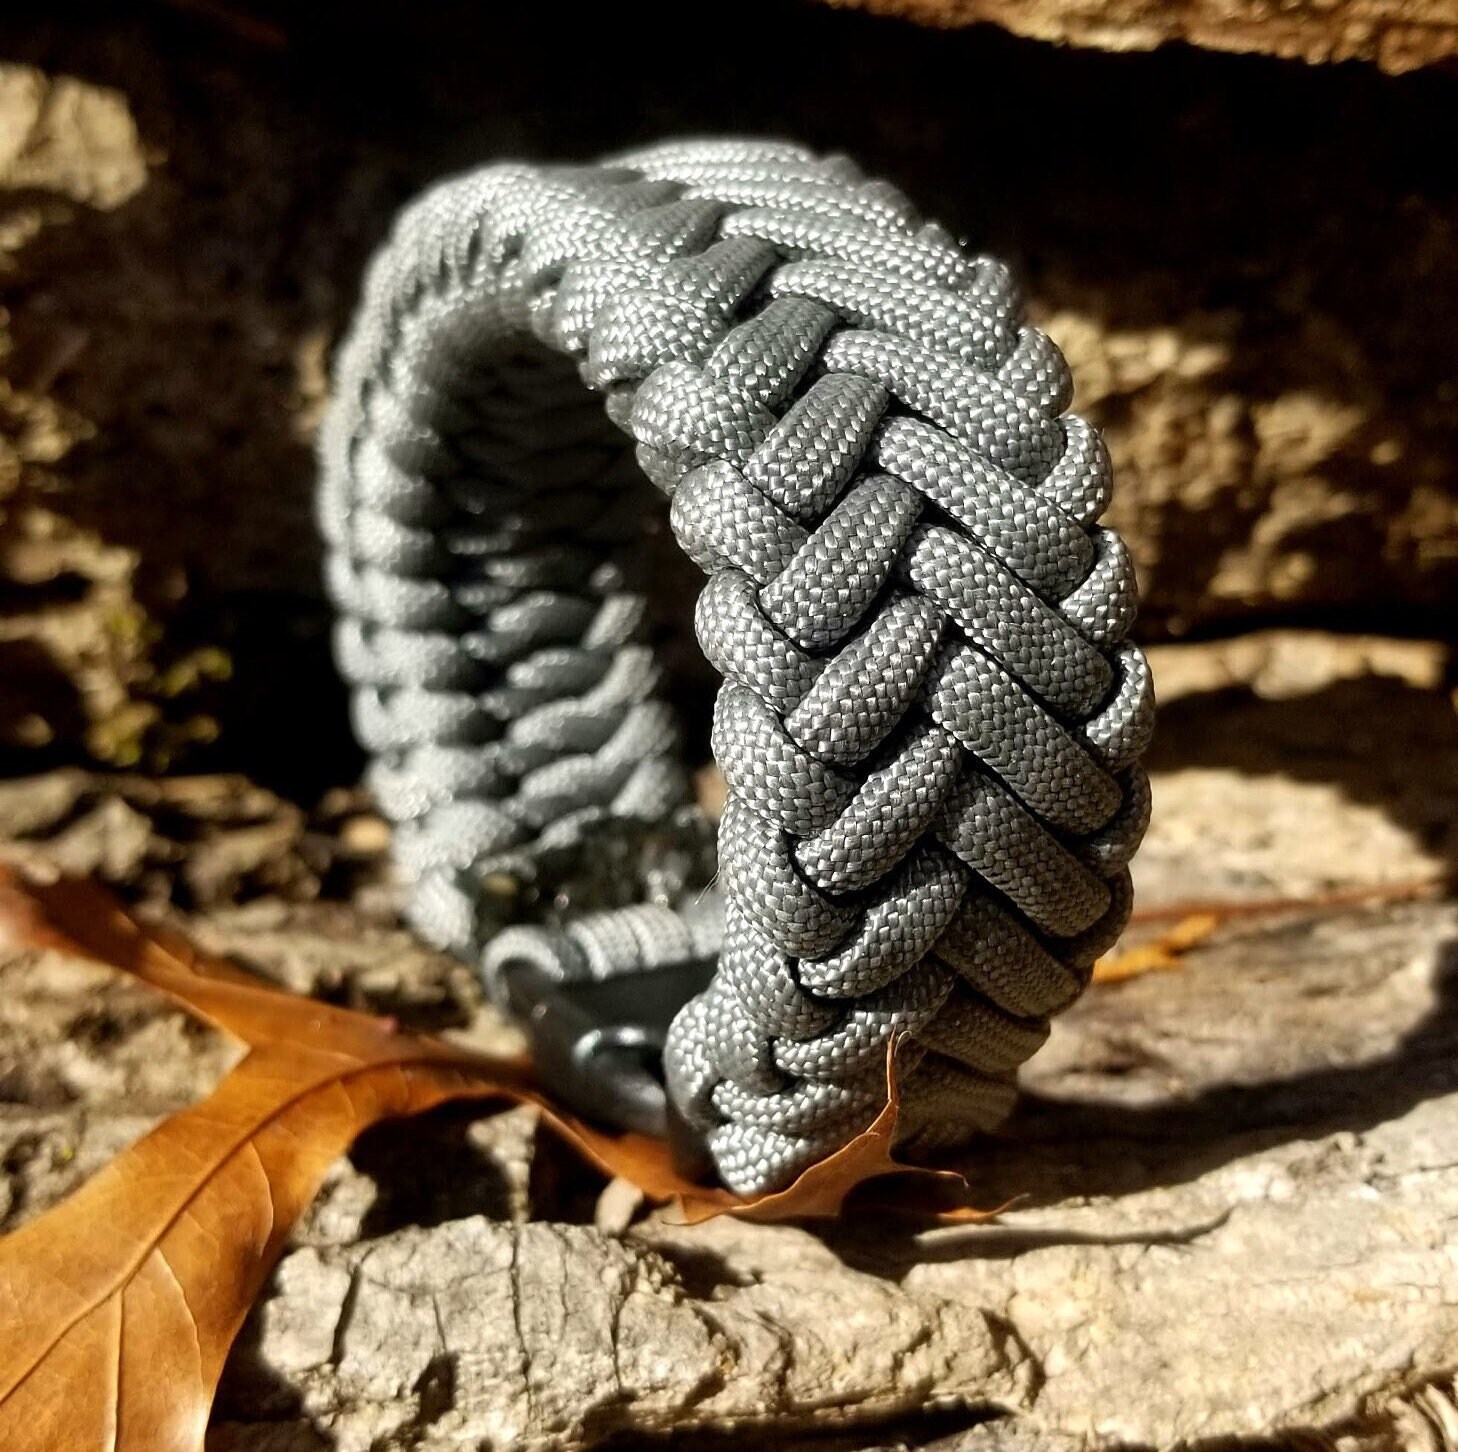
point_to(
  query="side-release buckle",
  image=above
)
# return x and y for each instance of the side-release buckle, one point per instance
(599, 1042)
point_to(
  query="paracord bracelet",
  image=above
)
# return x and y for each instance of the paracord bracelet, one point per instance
(930, 721)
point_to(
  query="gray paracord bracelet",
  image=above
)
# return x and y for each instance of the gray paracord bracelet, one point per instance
(930, 721)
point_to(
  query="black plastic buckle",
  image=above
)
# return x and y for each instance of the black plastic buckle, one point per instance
(599, 1043)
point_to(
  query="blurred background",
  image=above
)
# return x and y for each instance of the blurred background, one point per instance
(1248, 258)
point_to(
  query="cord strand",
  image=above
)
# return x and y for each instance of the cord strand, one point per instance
(931, 718)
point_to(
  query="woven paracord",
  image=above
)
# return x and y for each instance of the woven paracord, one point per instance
(930, 721)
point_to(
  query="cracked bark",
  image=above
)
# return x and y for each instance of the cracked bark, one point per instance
(1239, 1180)
(1223, 1236)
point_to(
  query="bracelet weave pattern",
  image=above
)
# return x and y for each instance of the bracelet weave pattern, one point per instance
(930, 720)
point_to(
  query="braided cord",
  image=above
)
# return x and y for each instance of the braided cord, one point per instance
(930, 719)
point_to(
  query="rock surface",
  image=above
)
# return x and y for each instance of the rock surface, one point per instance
(201, 840)
(1237, 1180)
(1247, 264)
(1290, 763)
(1399, 35)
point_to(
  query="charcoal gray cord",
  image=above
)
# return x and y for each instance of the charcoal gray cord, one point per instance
(930, 719)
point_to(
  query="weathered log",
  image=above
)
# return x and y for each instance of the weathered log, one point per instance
(1238, 1177)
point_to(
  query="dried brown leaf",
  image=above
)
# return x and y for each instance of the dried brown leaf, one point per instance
(1193, 922)
(1229, 910)
(118, 1306)
(1165, 953)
